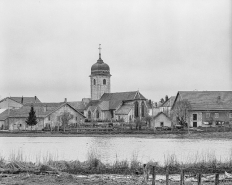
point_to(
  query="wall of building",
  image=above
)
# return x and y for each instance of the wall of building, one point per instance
(55, 120)
(20, 124)
(9, 103)
(161, 118)
(99, 89)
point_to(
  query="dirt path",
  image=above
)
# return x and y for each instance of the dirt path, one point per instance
(68, 179)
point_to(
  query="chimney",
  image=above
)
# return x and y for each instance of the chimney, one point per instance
(22, 100)
(35, 99)
(65, 100)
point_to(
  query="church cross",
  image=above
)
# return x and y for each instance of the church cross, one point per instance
(99, 50)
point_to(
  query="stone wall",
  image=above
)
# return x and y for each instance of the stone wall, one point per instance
(99, 89)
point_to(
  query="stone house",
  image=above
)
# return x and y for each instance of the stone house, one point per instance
(17, 102)
(208, 108)
(161, 120)
(48, 115)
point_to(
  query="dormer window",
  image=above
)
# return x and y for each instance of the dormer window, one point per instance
(104, 82)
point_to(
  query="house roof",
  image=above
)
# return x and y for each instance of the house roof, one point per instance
(161, 113)
(169, 102)
(133, 95)
(24, 99)
(78, 105)
(4, 114)
(41, 109)
(207, 100)
(124, 110)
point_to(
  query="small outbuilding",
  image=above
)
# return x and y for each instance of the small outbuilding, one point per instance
(161, 120)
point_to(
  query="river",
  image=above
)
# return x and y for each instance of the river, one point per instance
(110, 149)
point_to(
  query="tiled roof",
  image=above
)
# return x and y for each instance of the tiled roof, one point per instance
(78, 105)
(4, 115)
(124, 110)
(122, 96)
(208, 100)
(41, 110)
(169, 103)
(114, 104)
(104, 105)
(160, 114)
(25, 99)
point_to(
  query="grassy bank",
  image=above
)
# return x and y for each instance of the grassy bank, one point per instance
(93, 165)
(160, 134)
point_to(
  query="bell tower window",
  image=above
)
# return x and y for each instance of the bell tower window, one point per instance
(94, 82)
(104, 82)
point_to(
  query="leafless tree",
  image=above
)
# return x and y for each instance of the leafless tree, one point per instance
(65, 117)
(180, 113)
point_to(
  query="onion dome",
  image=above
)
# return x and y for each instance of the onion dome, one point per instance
(100, 68)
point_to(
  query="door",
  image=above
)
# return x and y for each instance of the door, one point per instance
(194, 124)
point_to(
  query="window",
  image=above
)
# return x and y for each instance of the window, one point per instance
(97, 114)
(104, 82)
(49, 118)
(89, 115)
(207, 115)
(194, 116)
(216, 115)
(136, 109)
(76, 118)
(142, 109)
(94, 82)
(230, 115)
(161, 124)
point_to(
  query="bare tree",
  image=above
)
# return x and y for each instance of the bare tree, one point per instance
(65, 117)
(180, 113)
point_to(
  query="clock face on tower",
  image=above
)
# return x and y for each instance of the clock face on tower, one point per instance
(99, 78)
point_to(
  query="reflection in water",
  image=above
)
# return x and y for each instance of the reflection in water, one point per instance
(110, 149)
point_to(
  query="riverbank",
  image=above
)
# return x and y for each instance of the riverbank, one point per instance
(168, 135)
(106, 179)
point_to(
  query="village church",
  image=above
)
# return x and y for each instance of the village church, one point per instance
(106, 106)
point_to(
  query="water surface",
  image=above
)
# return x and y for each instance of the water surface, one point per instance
(110, 149)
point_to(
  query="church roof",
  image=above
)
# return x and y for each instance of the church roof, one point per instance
(123, 96)
(124, 110)
(100, 68)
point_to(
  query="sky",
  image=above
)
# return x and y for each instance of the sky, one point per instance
(159, 47)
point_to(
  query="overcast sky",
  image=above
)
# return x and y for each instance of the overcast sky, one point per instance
(47, 47)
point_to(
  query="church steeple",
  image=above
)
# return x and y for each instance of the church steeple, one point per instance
(99, 78)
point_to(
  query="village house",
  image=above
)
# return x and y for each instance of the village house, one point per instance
(208, 108)
(161, 120)
(48, 115)
(17, 102)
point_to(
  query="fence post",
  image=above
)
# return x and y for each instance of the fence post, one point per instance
(199, 179)
(167, 175)
(153, 175)
(217, 179)
(182, 177)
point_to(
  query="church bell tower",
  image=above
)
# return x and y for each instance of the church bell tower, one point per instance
(99, 78)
